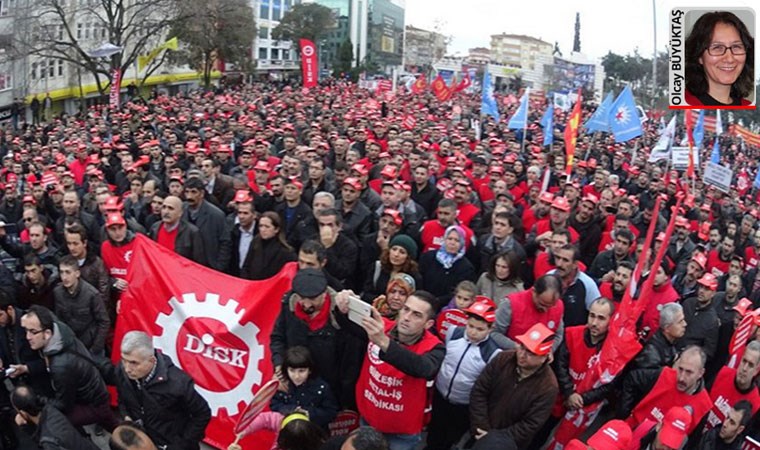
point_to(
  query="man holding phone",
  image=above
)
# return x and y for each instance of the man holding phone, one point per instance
(401, 358)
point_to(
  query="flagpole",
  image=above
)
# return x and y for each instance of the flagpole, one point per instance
(590, 145)
(525, 123)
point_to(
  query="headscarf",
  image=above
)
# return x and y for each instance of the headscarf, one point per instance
(445, 258)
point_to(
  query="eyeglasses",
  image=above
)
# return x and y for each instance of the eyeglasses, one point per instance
(720, 49)
(33, 332)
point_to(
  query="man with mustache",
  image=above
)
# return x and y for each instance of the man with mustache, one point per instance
(615, 289)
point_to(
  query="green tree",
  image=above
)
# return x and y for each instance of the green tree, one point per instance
(304, 21)
(215, 30)
(344, 58)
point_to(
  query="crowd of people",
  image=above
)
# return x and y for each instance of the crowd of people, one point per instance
(493, 269)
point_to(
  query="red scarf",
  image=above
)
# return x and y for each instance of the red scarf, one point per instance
(318, 321)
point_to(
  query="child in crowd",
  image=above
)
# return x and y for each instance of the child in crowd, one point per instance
(464, 296)
(301, 389)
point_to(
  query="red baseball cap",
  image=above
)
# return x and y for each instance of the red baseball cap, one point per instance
(614, 435)
(700, 259)
(743, 306)
(561, 203)
(389, 172)
(538, 339)
(261, 165)
(113, 204)
(361, 168)
(709, 281)
(394, 214)
(353, 183)
(483, 309)
(675, 427)
(590, 198)
(115, 219)
(546, 197)
(242, 196)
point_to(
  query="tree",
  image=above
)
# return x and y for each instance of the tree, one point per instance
(304, 21)
(213, 31)
(57, 30)
(577, 39)
(344, 58)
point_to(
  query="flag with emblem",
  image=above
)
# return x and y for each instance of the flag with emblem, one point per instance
(213, 326)
(623, 117)
(547, 123)
(599, 121)
(520, 118)
(419, 85)
(488, 106)
(571, 134)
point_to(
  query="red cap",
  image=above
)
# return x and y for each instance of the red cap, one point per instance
(700, 259)
(546, 197)
(29, 199)
(614, 435)
(115, 219)
(496, 169)
(591, 198)
(113, 204)
(682, 222)
(261, 165)
(353, 182)
(394, 214)
(296, 182)
(389, 172)
(675, 427)
(660, 236)
(743, 306)
(709, 281)
(561, 203)
(575, 444)
(361, 168)
(538, 339)
(483, 309)
(242, 195)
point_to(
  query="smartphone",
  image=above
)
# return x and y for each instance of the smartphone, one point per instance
(358, 309)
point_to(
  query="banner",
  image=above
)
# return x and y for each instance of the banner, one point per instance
(488, 104)
(520, 118)
(599, 120)
(115, 94)
(680, 158)
(570, 76)
(624, 117)
(571, 134)
(213, 326)
(661, 150)
(547, 123)
(143, 61)
(718, 176)
(309, 63)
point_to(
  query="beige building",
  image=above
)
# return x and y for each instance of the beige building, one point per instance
(517, 50)
(423, 47)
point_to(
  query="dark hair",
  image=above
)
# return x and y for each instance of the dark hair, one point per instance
(331, 212)
(627, 264)
(79, 229)
(297, 357)
(195, 183)
(300, 435)
(68, 261)
(428, 298)
(6, 300)
(311, 247)
(31, 259)
(548, 282)
(127, 435)
(513, 262)
(574, 249)
(277, 222)
(744, 407)
(627, 235)
(24, 399)
(44, 315)
(563, 232)
(698, 41)
(410, 266)
(368, 438)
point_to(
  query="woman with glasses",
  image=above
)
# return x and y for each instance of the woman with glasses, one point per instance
(720, 61)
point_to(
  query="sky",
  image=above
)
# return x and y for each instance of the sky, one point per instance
(617, 26)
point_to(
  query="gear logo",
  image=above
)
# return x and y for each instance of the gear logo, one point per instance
(207, 339)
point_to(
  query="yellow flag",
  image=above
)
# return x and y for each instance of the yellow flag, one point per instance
(143, 61)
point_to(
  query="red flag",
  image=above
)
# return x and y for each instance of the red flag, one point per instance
(571, 133)
(384, 85)
(419, 85)
(213, 326)
(464, 84)
(308, 63)
(440, 90)
(409, 122)
(115, 94)
(690, 137)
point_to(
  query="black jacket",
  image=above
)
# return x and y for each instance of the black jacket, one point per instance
(358, 222)
(188, 243)
(211, 225)
(658, 352)
(265, 259)
(702, 327)
(712, 441)
(440, 281)
(84, 312)
(428, 197)
(55, 432)
(172, 412)
(74, 377)
(302, 219)
(21, 353)
(342, 259)
(603, 263)
(314, 396)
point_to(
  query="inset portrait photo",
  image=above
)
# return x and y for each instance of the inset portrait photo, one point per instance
(715, 66)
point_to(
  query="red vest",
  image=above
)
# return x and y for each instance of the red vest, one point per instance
(117, 259)
(751, 258)
(580, 359)
(663, 396)
(525, 314)
(544, 225)
(715, 265)
(466, 212)
(725, 395)
(387, 398)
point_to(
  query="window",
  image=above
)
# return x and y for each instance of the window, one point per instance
(60, 67)
(262, 53)
(276, 10)
(275, 53)
(264, 10)
(263, 32)
(43, 69)
(285, 55)
(51, 68)
(34, 71)
(6, 81)
(80, 26)
(7, 7)
(60, 32)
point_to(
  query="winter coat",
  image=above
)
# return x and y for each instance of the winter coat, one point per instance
(314, 396)
(498, 290)
(189, 242)
(172, 412)
(440, 281)
(266, 258)
(84, 311)
(658, 352)
(55, 432)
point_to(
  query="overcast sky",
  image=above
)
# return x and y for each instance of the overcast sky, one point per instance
(619, 26)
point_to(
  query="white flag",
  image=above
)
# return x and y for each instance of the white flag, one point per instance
(661, 150)
(718, 125)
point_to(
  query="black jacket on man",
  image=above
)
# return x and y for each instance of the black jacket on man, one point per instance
(302, 219)
(84, 311)
(702, 327)
(210, 221)
(14, 349)
(172, 412)
(658, 352)
(75, 378)
(188, 243)
(55, 432)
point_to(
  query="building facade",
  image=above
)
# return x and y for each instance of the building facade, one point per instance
(272, 56)
(422, 48)
(517, 50)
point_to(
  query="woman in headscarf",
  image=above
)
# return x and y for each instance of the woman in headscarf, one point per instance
(444, 268)
(400, 286)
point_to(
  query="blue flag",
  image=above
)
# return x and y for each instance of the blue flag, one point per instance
(488, 101)
(598, 121)
(520, 119)
(715, 156)
(547, 123)
(624, 118)
(756, 183)
(699, 129)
